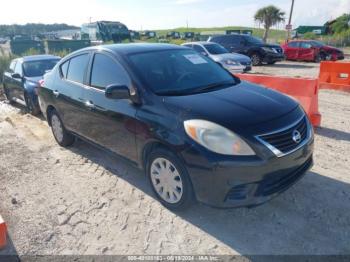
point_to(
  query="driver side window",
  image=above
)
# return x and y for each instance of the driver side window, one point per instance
(18, 69)
(106, 71)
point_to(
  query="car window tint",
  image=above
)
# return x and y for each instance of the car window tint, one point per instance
(305, 45)
(293, 44)
(64, 69)
(77, 68)
(18, 68)
(233, 40)
(106, 71)
(198, 48)
(12, 66)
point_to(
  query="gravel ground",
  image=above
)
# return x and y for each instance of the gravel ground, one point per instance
(83, 201)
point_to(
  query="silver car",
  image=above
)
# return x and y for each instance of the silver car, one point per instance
(235, 63)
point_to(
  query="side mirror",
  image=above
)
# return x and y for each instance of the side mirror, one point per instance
(16, 76)
(117, 92)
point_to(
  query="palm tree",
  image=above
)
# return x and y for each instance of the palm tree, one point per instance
(269, 16)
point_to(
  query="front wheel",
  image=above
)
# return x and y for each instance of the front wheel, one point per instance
(169, 180)
(62, 136)
(256, 59)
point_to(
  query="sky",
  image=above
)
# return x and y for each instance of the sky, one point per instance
(166, 14)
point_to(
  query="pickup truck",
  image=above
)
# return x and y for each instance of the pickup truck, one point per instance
(21, 79)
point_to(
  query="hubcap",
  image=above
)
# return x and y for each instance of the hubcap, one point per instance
(166, 180)
(255, 59)
(57, 127)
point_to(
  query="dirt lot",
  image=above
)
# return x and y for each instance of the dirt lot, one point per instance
(83, 201)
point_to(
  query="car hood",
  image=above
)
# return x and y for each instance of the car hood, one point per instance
(330, 48)
(233, 56)
(235, 107)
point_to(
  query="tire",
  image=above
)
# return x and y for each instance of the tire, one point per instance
(61, 135)
(256, 59)
(32, 109)
(7, 95)
(271, 63)
(162, 160)
(318, 58)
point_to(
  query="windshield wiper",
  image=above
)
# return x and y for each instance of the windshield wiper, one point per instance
(214, 86)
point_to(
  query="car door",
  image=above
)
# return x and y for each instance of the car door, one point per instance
(68, 91)
(8, 80)
(292, 50)
(110, 122)
(306, 52)
(17, 83)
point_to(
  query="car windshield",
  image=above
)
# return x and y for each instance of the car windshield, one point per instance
(38, 68)
(254, 40)
(317, 43)
(216, 49)
(180, 72)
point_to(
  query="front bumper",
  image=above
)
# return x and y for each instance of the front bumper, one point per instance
(274, 57)
(248, 181)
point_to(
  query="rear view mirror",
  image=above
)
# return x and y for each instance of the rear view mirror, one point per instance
(117, 92)
(16, 76)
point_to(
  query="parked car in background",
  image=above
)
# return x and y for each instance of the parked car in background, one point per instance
(233, 62)
(198, 131)
(311, 50)
(251, 46)
(22, 78)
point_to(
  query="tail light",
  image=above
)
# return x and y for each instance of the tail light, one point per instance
(40, 84)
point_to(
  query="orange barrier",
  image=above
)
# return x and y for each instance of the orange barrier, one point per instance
(335, 75)
(303, 89)
(3, 233)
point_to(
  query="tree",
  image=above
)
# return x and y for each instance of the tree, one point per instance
(269, 16)
(341, 24)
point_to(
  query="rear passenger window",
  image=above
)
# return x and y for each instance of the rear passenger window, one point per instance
(64, 69)
(77, 68)
(106, 71)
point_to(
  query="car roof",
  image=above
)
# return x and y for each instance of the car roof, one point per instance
(133, 48)
(38, 58)
(200, 43)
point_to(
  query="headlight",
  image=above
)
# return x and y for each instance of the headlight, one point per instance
(217, 138)
(231, 62)
(270, 50)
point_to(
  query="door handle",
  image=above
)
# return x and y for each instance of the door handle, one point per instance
(56, 93)
(89, 104)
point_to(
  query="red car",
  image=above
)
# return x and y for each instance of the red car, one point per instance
(316, 51)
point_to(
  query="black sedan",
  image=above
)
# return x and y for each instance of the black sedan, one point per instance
(198, 131)
(22, 78)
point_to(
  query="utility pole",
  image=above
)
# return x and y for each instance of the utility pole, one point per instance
(289, 26)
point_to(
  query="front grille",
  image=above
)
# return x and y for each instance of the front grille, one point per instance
(238, 193)
(275, 183)
(285, 141)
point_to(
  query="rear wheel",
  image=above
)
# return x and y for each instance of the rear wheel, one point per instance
(32, 109)
(169, 179)
(256, 59)
(62, 136)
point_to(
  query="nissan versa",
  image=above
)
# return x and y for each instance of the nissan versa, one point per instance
(198, 131)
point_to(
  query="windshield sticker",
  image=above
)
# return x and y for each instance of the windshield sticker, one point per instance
(195, 59)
